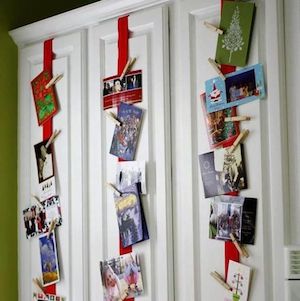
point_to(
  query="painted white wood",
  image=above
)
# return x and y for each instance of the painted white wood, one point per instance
(68, 165)
(149, 43)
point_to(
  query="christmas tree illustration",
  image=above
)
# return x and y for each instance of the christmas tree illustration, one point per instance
(233, 39)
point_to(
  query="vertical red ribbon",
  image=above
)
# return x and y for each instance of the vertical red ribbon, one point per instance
(123, 36)
(230, 251)
(47, 126)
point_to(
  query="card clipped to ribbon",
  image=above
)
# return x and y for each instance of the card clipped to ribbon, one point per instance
(45, 99)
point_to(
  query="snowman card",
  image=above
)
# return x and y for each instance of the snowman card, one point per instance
(239, 87)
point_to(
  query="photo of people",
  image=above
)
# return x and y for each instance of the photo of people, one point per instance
(44, 160)
(121, 277)
(49, 261)
(29, 217)
(128, 89)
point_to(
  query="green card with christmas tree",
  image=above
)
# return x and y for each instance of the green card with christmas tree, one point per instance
(236, 22)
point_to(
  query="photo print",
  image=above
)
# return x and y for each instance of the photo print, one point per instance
(239, 87)
(44, 160)
(233, 214)
(236, 22)
(231, 178)
(45, 100)
(49, 261)
(219, 132)
(131, 217)
(128, 89)
(125, 138)
(29, 217)
(121, 277)
(47, 188)
(130, 172)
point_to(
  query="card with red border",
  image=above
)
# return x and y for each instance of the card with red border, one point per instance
(45, 100)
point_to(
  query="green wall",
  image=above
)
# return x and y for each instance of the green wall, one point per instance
(13, 14)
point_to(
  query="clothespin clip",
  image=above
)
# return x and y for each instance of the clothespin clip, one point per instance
(54, 80)
(39, 286)
(220, 279)
(52, 227)
(124, 295)
(237, 118)
(216, 67)
(113, 118)
(127, 67)
(37, 201)
(114, 189)
(213, 28)
(53, 137)
(241, 137)
(242, 250)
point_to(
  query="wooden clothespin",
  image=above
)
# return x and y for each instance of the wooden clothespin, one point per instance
(113, 118)
(39, 286)
(242, 250)
(52, 227)
(237, 118)
(213, 28)
(124, 295)
(37, 201)
(216, 67)
(220, 279)
(54, 80)
(127, 67)
(53, 137)
(241, 137)
(114, 189)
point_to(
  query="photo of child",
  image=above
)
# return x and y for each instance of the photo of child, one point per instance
(111, 284)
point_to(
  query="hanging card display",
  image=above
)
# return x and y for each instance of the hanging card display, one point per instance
(124, 142)
(45, 99)
(236, 22)
(239, 87)
(131, 218)
(121, 277)
(219, 132)
(231, 178)
(127, 89)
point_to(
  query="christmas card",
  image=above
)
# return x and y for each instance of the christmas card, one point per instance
(238, 278)
(128, 89)
(219, 132)
(124, 142)
(47, 297)
(49, 261)
(232, 214)
(121, 277)
(231, 178)
(236, 22)
(239, 87)
(131, 218)
(130, 172)
(45, 99)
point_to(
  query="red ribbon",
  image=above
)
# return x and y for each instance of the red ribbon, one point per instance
(123, 35)
(47, 126)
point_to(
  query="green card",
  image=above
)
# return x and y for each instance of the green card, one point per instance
(236, 22)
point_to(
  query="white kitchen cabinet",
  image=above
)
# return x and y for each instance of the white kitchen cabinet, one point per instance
(172, 46)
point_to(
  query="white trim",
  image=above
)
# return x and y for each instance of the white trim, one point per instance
(78, 18)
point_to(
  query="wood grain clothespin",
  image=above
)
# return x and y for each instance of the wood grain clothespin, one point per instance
(113, 118)
(237, 118)
(39, 286)
(216, 67)
(213, 28)
(54, 80)
(114, 189)
(37, 201)
(242, 250)
(220, 280)
(52, 227)
(241, 137)
(127, 67)
(53, 137)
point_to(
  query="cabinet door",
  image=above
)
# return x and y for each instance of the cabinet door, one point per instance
(148, 42)
(68, 165)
